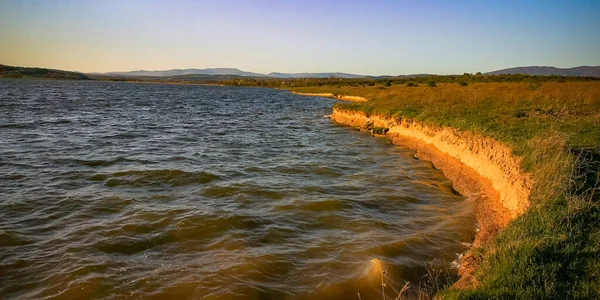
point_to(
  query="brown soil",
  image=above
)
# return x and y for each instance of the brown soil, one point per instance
(482, 169)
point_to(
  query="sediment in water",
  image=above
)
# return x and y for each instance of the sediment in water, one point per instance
(482, 169)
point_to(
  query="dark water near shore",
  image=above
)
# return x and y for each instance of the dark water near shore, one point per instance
(128, 191)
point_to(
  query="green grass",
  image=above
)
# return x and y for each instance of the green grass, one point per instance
(553, 250)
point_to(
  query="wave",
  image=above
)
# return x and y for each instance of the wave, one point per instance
(101, 162)
(250, 190)
(12, 239)
(34, 124)
(131, 245)
(323, 205)
(308, 169)
(135, 178)
(25, 125)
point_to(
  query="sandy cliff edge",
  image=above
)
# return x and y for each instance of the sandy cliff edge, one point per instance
(482, 169)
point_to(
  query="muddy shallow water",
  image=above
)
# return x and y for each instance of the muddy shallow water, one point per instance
(122, 190)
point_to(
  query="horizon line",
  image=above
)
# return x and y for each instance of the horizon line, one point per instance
(309, 72)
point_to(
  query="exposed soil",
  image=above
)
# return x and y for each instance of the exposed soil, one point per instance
(482, 169)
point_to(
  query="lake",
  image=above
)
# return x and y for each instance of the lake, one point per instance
(114, 190)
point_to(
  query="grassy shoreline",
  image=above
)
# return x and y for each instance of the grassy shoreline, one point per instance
(553, 250)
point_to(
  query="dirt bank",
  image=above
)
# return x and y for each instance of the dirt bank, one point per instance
(334, 96)
(482, 169)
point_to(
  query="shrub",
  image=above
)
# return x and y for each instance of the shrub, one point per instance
(431, 84)
(462, 83)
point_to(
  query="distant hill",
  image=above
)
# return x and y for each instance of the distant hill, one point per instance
(586, 71)
(530, 70)
(230, 72)
(210, 77)
(212, 74)
(314, 75)
(24, 72)
(546, 71)
(180, 72)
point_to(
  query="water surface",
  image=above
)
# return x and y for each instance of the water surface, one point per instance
(121, 190)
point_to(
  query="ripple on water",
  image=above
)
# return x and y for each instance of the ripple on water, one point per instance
(115, 190)
(13, 238)
(319, 205)
(249, 189)
(135, 178)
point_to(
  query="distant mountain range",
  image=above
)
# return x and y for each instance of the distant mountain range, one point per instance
(179, 72)
(530, 70)
(546, 71)
(315, 75)
(230, 71)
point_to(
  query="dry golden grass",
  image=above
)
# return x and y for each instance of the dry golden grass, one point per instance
(510, 112)
(447, 97)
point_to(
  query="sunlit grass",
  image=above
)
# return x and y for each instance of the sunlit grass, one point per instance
(553, 250)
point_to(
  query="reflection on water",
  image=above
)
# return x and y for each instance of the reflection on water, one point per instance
(115, 190)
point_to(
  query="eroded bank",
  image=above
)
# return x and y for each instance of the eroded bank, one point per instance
(482, 169)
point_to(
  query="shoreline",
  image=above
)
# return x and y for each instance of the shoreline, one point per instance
(482, 169)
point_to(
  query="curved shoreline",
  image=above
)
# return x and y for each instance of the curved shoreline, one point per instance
(482, 169)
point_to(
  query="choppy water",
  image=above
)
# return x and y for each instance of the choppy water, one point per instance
(116, 190)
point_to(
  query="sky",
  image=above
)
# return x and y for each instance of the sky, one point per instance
(362, 37)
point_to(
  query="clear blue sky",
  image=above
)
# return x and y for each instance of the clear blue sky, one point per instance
(366, 37)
